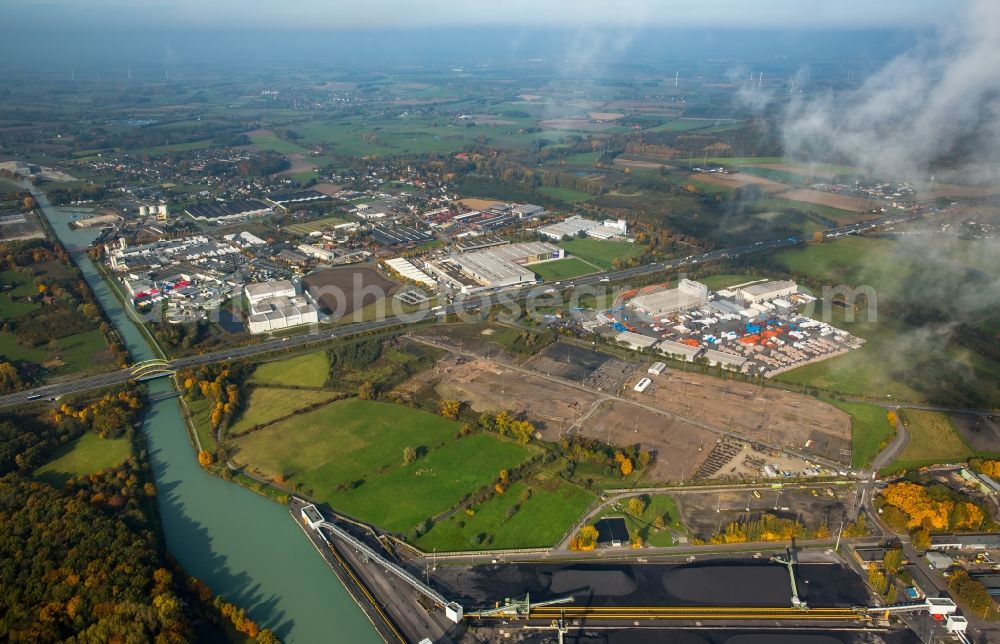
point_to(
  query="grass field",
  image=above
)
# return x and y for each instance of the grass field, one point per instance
(274, 144)
(88, 454)
(545, 507)
(266, 404)
(933, 439)
(658, 506)
(717, 282)
(200, 419)
(869, 430)
(600, 252)
(407, 495)
(899, 359)
(561, 269)
(565, 194)
(308, 370)
(307, 227)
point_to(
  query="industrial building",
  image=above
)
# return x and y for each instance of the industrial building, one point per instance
(642, 385)
(635, 341)
(724, 360)
(286, 199)
(399, 235)
(320, 253)
(657, 368)
(679, 350)
(275, 305)
(688, 294)
(261, 291)
(989, 541)
(573, 226)
(496, 267)
(765, 292)
(409, 271)
(228, 210)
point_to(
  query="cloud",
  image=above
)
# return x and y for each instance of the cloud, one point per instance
(935, 106)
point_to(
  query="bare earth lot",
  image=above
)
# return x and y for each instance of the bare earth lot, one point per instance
(770, 416)
(343, 290)
(699, 510)
(490, 386)
(843, 202)
(738, 180)
(982, 433)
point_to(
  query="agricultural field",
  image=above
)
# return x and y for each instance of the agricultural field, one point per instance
(88, 454)
(531, 513)
(600, 252)
(267, 404)
(565, 194)
(933, 439)
(308, 370)
(562, 269)
(870, 430)
(727, 280)
(905, 356)
(266, 140)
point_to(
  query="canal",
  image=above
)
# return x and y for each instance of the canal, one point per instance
(245, 547)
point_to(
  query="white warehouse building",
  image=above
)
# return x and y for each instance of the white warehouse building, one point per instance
(767, 291)
(687, 294)
(266, 290)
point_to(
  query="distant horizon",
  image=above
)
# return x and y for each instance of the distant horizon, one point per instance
(330, 48)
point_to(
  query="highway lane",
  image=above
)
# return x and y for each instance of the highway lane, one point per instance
(462, 305)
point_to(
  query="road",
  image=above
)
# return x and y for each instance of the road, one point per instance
(478, 302)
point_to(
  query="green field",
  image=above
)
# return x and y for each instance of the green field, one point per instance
(308, 370)
(88, 454)
(718, 282)
(601, 252)
(869, 430)
(933, 439)
(642, 525)
(561, 269)
(84, 351)
(274, 144)
(200, 420)
(546, 506)
(902, 360)
(266, 404)
(565, 194)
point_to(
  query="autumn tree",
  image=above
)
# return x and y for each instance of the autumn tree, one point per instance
(587, 537)
(366, 391)
(636, 505)
(626, 466)
(205, 458)
(892, 560)
(409, 455)
(659, 522)
(10, 379)
(921, 538)
(450, 408)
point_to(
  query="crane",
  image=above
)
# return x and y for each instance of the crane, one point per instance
(789, 562)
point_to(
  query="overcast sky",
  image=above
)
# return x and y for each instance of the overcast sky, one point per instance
(327, 14)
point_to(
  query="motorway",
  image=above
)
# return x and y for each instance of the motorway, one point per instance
(477, 302)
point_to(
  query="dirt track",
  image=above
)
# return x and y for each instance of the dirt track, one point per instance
(738, 180)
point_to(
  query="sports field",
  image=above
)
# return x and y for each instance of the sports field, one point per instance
(308, 370)
(600, 252)
(561, 269)
(88, 454)
(933, 439)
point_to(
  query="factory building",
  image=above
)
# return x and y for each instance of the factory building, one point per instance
(274, 305)
(227, 211)
(635, 341)
(496, 267)
(261, 291)
(572, 226)
(724, 360)
(688, 294)
(765, 292)
(409, 271)
(322, 254)
(679, 350)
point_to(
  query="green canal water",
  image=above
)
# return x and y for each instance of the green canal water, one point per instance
(245, 547)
